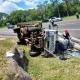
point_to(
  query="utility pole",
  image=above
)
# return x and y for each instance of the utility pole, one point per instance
(58, 11)
(67, 8)
(58, 8)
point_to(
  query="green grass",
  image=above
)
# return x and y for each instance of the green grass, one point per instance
(3, 27)
(5, 45)
(69, 18)
(41, 68)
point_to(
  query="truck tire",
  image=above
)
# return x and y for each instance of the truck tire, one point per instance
(34, 54)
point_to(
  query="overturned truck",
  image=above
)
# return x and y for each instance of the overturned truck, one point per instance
(41, 40)
(26, 31)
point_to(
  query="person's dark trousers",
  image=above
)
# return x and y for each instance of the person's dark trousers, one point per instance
(62, 51)
(77, 16)
(53, 24)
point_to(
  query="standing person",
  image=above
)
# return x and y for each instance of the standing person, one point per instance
(77, 15)
(49, 26)
(52, 22)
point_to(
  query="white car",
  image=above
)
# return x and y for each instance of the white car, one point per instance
(56, 19)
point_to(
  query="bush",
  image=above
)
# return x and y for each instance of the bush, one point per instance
(2, 23)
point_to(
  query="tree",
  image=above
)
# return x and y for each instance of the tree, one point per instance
(63, 9)
(3, 16)
(2, 23)
(67, 2)
(31, 15)
(45, 10)
(17, 16)
(40, 10)
(55, 3)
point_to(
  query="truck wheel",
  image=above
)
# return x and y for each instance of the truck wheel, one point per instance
(34, 54)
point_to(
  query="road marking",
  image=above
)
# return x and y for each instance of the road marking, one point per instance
(61, 24)
(70, 23)
(69, 20)
(70, 29)
(66, 23)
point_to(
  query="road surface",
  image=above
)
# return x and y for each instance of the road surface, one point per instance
(7, 32)
(73, 26)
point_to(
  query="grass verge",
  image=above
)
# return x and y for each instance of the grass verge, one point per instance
(41, 68)
(69, 18)
(3, 27)
(53, 68)
(5, 45)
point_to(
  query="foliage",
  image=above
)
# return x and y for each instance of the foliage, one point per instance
(16, 17)
(2, 23)
(3, 16)
(31, 15)
(47, 9)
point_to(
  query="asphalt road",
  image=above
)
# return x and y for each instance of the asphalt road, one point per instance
(7, 32)
(73, 26)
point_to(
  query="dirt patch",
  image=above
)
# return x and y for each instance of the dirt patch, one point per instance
(2, 38)
(13, 39)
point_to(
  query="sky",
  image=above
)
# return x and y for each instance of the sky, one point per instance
(7, 6)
